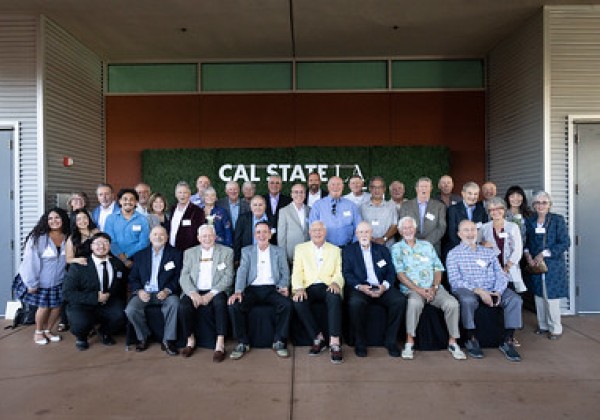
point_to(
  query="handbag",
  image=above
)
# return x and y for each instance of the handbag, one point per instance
(541, 267)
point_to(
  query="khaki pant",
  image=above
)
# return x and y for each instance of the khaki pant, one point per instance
(443, 300)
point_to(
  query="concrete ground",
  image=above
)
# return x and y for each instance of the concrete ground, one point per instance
(556, 380)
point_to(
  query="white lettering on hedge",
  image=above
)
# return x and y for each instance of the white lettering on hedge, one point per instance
(287, 171)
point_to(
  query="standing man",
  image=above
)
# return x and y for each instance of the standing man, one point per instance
(317, 277)
(292, 228)
(263, 278)
(429, 214)
(206, 279)
(233, 205)
(95, 294)
(446, 196)
(467, 209)
(476, 276)
(186, 218)
(244, 231)
(154, 280)
(488, 191)
(107, 206)
(339, 215)
(275, 200)
(420, 273)
(248, 191)
(128, 229)
(380, 214)
(356, 194)
(144, 192)
(202, 183)
(370, 276)
(397, 195)
(315, 192)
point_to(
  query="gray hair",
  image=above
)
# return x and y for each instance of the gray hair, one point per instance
(424, 179)
(496, 202)
(541, 194)
(468, 185)
(210, 190)
(183, 184)
(232, 183)
(206, 227)
(407, 219)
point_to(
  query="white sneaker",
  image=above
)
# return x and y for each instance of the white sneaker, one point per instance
(407, 352)
(456, 352)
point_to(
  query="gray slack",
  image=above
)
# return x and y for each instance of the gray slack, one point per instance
(510, 302)
(136, 314)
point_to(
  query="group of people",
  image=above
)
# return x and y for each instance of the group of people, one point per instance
(316, 246)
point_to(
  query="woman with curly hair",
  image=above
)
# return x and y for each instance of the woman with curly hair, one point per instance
(42, 271)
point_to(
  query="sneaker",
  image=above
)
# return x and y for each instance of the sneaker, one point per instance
(540, 331)
(407, 352)
(456, 352)
(473, 348)
(336, 354)
(280, 348)
(509, 351)
(239, 351)
(317, 347)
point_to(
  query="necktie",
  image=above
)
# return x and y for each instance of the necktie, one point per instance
(104, 277)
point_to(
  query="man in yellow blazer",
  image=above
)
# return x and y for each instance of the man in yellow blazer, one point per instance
(317, 277)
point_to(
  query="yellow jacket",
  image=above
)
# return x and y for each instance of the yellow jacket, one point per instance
(305, 271)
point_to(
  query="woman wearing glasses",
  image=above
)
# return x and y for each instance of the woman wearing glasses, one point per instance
(547, 241)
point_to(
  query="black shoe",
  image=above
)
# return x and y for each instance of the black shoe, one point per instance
(169, 348)
(107, 340)
(360, 351)
(81, 345)
(142, 346)
(317, 347)
(393, 350)
(473, 348)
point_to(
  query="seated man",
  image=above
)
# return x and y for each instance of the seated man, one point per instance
(263, 277)
(95, 294)
(206, 278)
(420, 273)
(476, 275)
(369, 274)
(154, 280)
(317, 277)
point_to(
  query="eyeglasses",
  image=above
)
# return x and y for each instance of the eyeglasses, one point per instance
(334, 208)
(541, 202)
(496, 209)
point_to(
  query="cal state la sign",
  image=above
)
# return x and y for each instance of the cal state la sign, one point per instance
(288, 172)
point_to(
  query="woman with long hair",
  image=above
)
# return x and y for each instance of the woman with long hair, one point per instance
(517, 210)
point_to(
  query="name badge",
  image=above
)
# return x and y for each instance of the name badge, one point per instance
(503, 235)
(273, 231)
(186, 222)
(453, 202)
(381, 263)
(119, 274)
(221, 266)
(375, 223)
(478, 225)
(347, 213)
(540, 230)
(480, 263)
(430, 216)
(169, 266)
(48, 253)
(137, 228)
(424, 259)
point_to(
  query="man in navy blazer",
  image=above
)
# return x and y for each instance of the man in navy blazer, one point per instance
(107, 206)
(370, 277)
(244, 230)
(95, 294)
(262, 278)
(154, 280)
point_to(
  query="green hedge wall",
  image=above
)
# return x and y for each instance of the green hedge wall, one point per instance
(162, 169)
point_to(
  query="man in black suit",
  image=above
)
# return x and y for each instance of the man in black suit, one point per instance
(233, 204)
(244, 230)
(275, 201)
(95, 294)
(315, 192)
(468, 208)
(370, 277)
(186, 218)
(154, 280)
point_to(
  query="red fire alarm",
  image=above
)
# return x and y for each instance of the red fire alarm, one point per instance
(67, 161)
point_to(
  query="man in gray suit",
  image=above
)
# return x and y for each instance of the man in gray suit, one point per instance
(262, 278)
(206, 278)
(233, 205)
(292, 226)
(429, 214)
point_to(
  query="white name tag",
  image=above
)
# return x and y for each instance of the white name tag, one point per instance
(186, 222)
(503, 235)
(430, 216)
(169, 266)
(424, 259)
(478, 225)
(347, 213)
(381, 263)
(480, 263)
(273, 231)
(48, 253)
(540, 230)
(453, 202)
(119, 274)
(137, 228)
(221, 266)
(375, 223)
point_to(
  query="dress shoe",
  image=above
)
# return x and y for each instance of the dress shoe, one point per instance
(107, 340)
(169, 348)
(81, 345)
(142, 346)
(393, 350)
(188, 351)
(218, 356)
(360, 351)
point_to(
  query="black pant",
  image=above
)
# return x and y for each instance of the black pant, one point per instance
(188, 315)
(255, 295)
(318, 293)
(110, 316)
(393, 301)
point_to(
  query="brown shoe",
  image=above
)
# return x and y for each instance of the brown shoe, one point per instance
(219, 356)
(188, 351)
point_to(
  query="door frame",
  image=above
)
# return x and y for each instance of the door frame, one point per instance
(16, 188)
(573, 120)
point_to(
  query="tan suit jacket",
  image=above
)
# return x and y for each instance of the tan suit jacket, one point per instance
(289, 231)
(222, 269)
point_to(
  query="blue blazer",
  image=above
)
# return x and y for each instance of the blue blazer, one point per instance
(168, 274)
(247, 272)
(355, 271)
(96, 212)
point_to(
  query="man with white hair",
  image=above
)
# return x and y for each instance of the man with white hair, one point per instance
(233, 204)
(202, 183)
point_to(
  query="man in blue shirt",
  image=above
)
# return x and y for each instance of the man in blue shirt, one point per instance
(128, 229)
(340, 215)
